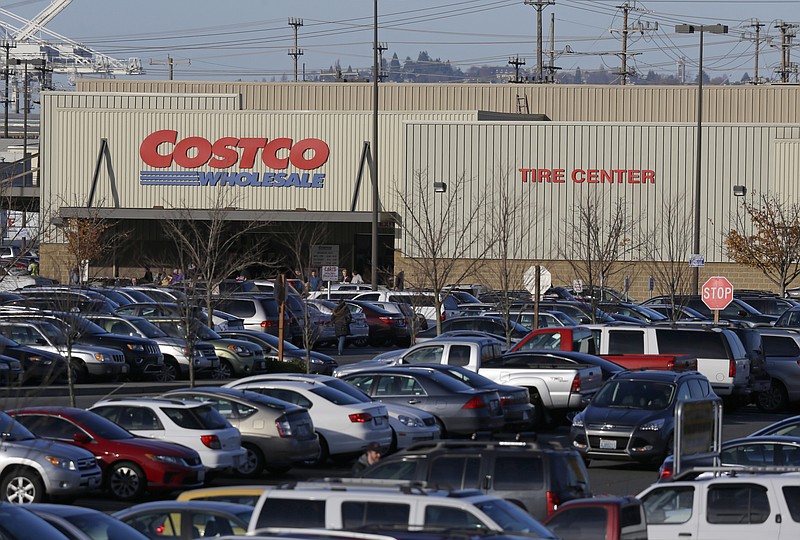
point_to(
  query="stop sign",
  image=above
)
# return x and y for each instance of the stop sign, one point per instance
(717, 292)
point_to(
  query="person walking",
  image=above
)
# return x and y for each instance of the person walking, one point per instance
(314, 282)
(357, 278)
(341, 322)
(399, 281)
(369, 458)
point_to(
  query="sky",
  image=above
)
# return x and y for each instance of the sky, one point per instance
(250, 39)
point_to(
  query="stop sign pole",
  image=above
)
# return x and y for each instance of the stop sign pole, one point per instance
(717, 293)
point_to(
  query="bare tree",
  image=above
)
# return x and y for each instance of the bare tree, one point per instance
(297, 247)
(774, 245)
(444, 235)
(599, 241)
(668, 249)
(212, 249)
(506, 224)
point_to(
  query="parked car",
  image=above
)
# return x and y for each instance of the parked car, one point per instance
(186, 519)
(766, 302)
(635, 311)
(359, 329)
(245, 494)
(259, 312)
(556, 358)
(480, 323)
(409, 424)
(37, 365)
(384, 326)
(459, 409)
(737, 310)
(276, 435)
(422, 301)
(344, 424)
(79, 523)
(782, 353)
(609, 518)
(789, 318)
(632, 416)
(196, 425)
(11, 373)
(678, 313)
(131, 465)
(237, 358)
(320, 363)
(86, 361)
(19, 523)
(787, 427)
(546, 319)
(32, 468)
(175, 310)
(178, 355)
(536, 476)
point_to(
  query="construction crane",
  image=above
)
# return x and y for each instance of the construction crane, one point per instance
(61, 54)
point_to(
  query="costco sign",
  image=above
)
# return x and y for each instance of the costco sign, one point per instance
(162, 149)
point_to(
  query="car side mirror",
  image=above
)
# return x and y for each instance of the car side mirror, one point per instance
(81, 438)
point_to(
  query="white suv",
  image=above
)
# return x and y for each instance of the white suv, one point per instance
(737, 505)
(353, 503)
(196, 425)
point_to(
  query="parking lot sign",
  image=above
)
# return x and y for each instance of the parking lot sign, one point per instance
(329, 273)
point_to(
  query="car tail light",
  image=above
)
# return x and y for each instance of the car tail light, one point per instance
(475, 403)
(269, 324)
(284, 427)
(665, 473)
(360, 418)
(387, 320)
(732, 369)
(552, 502)
(576, 384)
(211, 441)
(444, 316)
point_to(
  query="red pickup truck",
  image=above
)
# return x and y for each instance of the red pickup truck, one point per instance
(581, 339)
(611, 518)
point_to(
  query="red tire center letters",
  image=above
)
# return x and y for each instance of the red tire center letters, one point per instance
(194, 152)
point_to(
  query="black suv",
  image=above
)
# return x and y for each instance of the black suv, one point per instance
(632, 416)
(535, 476)
(737, 310)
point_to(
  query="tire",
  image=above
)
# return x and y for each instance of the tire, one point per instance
(22, 486)
(79, 372)
(170, 371)
(538, 419)
(442, 429)
(774, 399)
(126, 481)
(361, 342)
(324, 453)
(224, 371)
(253, 462)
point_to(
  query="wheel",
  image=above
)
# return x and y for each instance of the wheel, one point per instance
(169, 372)
(361, 342)
(538, 417)
(79, 372)
(224, 371)
(773, 399)
(442, 430)
(126, 481)
(253, 462)
(22, 486)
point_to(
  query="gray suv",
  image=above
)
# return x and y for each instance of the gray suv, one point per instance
(31, 468)
(532, 475)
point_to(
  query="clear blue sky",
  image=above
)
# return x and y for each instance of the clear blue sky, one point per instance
(249, 39)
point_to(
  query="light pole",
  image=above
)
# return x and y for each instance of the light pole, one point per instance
(374, 168)
(36, 62)
(691, 29)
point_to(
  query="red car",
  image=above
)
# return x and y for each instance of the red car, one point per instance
(131, 465)
(384, 326)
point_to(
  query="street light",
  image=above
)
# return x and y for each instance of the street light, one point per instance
(691, 29)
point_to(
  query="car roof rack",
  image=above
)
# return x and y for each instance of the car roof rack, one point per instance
(693, 472)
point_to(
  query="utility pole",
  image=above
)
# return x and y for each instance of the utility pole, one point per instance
(295, 53)
(516, 62)
(786, 43)
(171, 62)
(552, 67)
(539, 5)
(382, 46)
(681, 75)
(757, 25)
(7, 45)
(625, 31)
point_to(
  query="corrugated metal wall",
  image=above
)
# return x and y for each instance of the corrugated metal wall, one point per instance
(74, 124)
(489, 156)
(580, 103)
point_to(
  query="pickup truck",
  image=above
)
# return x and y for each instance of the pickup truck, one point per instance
(721, 357)
(583, 339)
(611, 518)
(556, 390)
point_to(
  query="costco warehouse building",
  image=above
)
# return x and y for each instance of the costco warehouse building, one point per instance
(136, 152)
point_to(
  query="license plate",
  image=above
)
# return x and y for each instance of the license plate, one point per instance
(608, 444)
(379, 420)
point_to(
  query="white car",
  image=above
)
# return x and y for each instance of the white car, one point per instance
(196, 425)
(409, 424)
(344, 424)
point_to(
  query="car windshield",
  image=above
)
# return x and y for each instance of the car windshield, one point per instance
(646, 395)
(349, 389)
(334, 396)
(147, 328)
(53, 333)
(100, 526)
(511, 517)
(17, 522)
(203, 417)
(101, 427)
(12, 430)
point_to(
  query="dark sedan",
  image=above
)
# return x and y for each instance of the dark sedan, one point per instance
(384, 326)
(458, 408)
(37, 365)
(320, 363)
(515, 401)
(131, 465)
(482, 323)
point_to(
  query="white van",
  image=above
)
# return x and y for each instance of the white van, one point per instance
(353, 503)
(421, 301)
